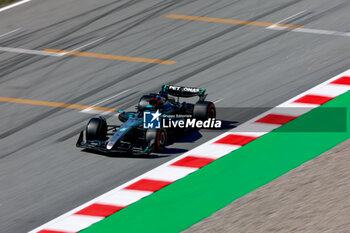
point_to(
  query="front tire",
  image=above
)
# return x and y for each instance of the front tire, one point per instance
(96, 129)
(157, 138)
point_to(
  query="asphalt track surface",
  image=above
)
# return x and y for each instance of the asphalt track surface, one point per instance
(43, 175)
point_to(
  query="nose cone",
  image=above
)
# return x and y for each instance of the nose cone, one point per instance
(110, 145)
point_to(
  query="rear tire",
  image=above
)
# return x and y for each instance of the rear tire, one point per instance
(157, 138)
(96, 129)
(203, 110)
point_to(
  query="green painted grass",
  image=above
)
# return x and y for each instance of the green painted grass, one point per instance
(197, 196)
(6, 2)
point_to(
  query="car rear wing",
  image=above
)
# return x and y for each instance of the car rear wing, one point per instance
(185, 92)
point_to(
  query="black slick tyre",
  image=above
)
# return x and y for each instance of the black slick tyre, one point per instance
(203, 110)
(157, 138)
(96, 129)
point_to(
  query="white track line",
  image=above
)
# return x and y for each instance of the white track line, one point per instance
(217, 101)
(83, 46)
(283, 20)
(29, 51)
(8, 33)
(38, 52)
(91, 110)
(305, 30)
(322, 32)
(311, 31)
(13, 5)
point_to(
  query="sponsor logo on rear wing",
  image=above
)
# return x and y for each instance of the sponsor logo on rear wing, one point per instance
(183, 91)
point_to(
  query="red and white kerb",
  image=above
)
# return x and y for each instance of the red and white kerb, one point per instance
(158, 178)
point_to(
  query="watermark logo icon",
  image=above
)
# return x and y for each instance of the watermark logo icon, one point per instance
(151, 120)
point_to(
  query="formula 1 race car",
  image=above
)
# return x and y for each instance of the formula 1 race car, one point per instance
(133, 136)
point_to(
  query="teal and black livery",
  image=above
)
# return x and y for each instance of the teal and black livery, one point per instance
(135, 137)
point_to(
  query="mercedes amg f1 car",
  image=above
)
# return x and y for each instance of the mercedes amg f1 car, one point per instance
(132, 136)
